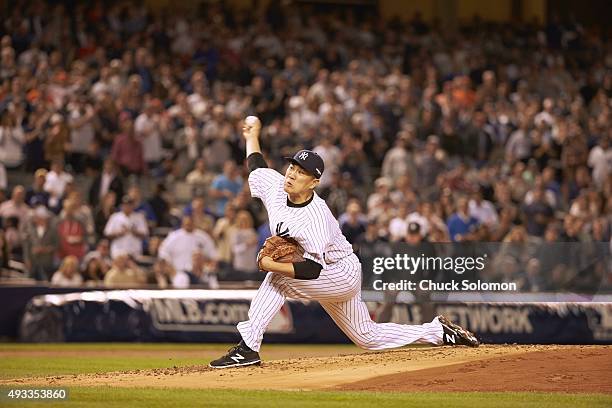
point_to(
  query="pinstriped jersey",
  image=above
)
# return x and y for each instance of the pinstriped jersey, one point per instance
(313, 225)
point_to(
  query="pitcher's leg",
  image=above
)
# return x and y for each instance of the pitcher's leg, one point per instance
(264, 306)
(353, 318)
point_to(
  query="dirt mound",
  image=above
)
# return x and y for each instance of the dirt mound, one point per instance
(572, 370)
(490, 368)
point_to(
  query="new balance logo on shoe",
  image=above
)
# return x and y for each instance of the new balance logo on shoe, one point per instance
(237, 357)
(455, 335)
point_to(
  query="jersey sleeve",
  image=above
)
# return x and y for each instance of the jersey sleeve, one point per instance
(263, 182)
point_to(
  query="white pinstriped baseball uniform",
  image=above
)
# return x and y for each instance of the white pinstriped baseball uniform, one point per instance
(338, 287)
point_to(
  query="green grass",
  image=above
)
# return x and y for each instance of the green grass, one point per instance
(19, 367)
(160, 355)
(152, 398)
(65, 359)
(160, 347)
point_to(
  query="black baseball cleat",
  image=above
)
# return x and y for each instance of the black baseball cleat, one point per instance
(238, 356)
(455, 335)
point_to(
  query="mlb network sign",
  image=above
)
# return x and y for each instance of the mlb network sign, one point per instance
(209, 316)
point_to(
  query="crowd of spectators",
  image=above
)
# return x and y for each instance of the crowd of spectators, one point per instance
(485, 132)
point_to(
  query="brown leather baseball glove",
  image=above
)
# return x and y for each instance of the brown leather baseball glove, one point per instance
(281, 249)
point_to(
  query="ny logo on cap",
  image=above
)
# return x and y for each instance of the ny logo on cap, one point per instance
(304, 155)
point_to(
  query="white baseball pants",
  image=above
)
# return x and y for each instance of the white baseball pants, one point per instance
(338, 290)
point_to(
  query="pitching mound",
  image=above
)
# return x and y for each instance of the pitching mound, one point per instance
(571, 370)
(488, 368)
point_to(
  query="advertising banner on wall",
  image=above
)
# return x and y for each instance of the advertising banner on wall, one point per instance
(211, 316)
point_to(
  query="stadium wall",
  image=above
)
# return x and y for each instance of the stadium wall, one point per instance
(211, 316)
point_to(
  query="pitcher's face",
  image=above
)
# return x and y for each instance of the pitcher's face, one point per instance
(298, 180)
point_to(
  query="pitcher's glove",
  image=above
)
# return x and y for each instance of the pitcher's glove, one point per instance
(280, 249)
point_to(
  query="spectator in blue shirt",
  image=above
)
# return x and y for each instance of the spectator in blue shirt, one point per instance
(141, 206)
(225, 186)
(36, 194)
(461, 224)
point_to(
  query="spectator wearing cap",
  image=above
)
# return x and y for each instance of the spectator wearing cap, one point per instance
(178, 247)
(422, 216)
(40, 244)
(126, 229)
(68, 273)
(36, 194)
(461, 224)
(127, 150)
(413, 233)
(108, 180)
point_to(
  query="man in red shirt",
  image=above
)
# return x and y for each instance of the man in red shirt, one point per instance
(127, 150)
(72, 232)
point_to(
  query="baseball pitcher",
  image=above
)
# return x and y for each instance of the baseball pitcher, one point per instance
(329, 273)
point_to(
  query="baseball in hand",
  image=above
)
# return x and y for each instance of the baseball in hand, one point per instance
(251, 120)
(251, 127)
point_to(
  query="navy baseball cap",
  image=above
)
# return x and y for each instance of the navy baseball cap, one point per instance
(309, 161)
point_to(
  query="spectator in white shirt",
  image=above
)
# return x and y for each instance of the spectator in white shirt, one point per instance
(420, 218)
(55, 183)
(178, 247)
(82, 133)
(126, 229)
(147, 129)
(68, 273)
(398, 226)
(483, 210)
(600, 159)
(12, 139)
